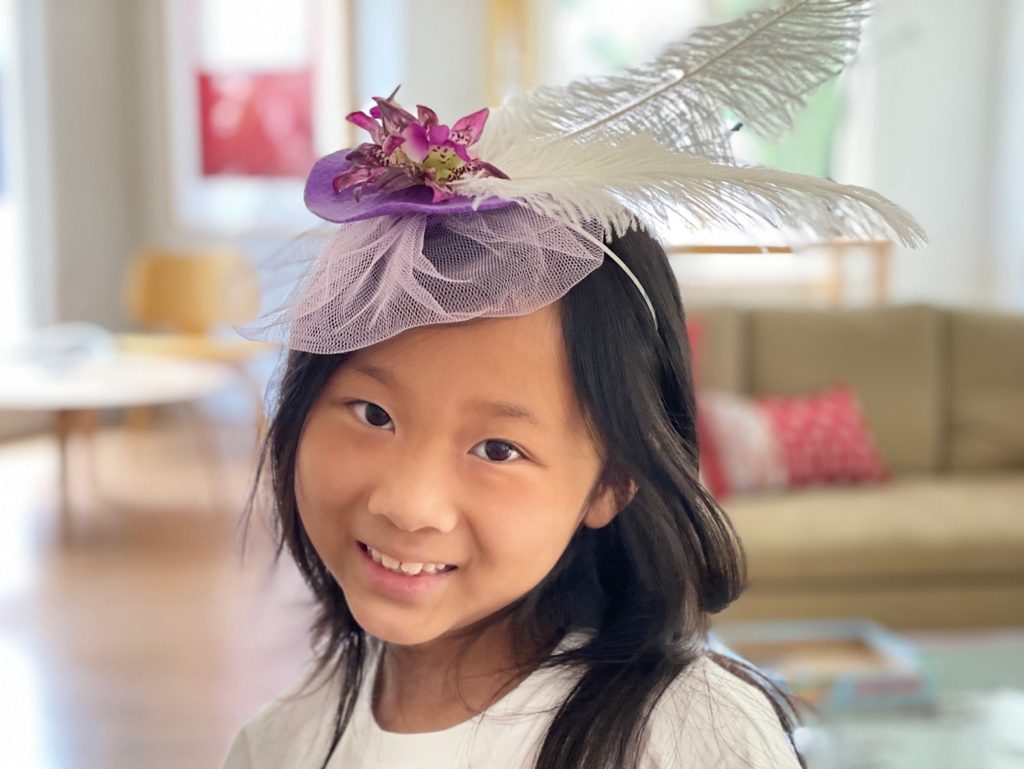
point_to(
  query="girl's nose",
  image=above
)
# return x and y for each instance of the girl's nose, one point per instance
(416, 491)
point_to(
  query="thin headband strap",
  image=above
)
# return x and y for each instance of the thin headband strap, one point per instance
(629, 273)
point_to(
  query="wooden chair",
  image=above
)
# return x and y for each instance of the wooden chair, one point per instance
(188, 296)
(190, 292)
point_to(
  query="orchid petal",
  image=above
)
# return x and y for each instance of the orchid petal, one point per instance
(366, 154)
(427, 116)
(392, 143)
(469, 128)
(348, 178)
(441, 194)
(438, 134)
(367, 123)
(489, 170)
(416, 144)
(460, 150)
(395, 118)
(398, 179)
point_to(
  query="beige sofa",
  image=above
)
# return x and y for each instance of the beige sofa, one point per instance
(942, 543)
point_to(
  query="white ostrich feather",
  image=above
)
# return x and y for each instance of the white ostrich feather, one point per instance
(640, 182)
(760, 67)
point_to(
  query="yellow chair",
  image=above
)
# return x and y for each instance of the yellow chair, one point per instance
(188, 296)
(190, 292)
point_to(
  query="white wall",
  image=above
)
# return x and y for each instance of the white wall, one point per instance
(1007, 275)
(931, 139)
(433, 50)
(94, 142)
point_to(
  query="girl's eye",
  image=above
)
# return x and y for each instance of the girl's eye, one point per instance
(497, 451)
(371, 413)
(491, 450)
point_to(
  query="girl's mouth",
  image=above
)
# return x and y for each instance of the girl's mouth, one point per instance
(401, 583)
(406, 569)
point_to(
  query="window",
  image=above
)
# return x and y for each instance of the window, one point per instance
(807, 146)
(14, 289)
(588, 37)
(579, 38)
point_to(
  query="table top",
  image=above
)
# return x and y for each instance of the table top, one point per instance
(112, 380)
(975, 722)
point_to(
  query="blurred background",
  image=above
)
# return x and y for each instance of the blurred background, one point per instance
(861, 405)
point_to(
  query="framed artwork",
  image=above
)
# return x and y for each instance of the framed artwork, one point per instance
(258, 90)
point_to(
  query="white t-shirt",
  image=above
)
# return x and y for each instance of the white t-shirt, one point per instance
(707, 719)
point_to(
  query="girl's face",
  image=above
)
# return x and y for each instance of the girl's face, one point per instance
(461, 445)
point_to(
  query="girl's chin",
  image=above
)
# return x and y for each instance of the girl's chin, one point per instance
(394, 629)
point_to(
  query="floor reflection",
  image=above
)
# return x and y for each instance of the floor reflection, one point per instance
(145, 640)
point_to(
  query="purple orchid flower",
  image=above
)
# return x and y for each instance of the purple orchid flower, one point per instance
(412, 150)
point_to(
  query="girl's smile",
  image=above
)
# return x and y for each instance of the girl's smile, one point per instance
(406, 565)
(399, 584)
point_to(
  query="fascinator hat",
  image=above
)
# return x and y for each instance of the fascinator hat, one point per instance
(502, 212)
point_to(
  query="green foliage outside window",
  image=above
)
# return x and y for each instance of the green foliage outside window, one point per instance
(807, 147)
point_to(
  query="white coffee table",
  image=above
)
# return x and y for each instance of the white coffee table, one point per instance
(108, 381)
(975, 723)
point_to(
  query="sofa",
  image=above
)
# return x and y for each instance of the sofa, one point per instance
(938, 544)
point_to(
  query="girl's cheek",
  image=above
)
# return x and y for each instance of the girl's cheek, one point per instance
(513, 511)
(325, 467)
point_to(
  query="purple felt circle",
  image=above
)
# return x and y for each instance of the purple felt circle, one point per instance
(342, 207)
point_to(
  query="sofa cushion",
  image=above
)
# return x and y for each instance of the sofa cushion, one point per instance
(928, 527)
(891, 356)
(987, 391)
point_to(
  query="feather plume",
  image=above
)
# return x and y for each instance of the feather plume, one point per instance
(641, 182)
(761, 67)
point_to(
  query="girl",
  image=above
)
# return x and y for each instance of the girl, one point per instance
(484, 457)
(549, 462)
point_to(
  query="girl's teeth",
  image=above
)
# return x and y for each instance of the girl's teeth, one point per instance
(411, 569)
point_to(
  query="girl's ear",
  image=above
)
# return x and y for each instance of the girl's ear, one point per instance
(607, 504)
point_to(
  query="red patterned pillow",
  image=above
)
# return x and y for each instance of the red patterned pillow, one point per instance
(762, 443)
(710, 467)
(695, 332)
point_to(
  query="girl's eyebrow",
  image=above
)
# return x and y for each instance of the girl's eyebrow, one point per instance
(501, 409)
(507, 410)
(381, 375)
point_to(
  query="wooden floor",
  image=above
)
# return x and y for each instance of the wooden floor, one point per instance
(145, 640)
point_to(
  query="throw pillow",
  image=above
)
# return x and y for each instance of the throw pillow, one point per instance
(765, 443)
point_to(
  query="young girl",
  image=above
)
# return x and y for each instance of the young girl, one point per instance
(484, 457)
(549, 463)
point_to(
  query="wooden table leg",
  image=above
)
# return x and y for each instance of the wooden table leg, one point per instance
(63, 425)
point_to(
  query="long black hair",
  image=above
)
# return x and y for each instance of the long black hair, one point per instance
(644, 586)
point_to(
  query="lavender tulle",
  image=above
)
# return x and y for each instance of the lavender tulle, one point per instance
(373, 278)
